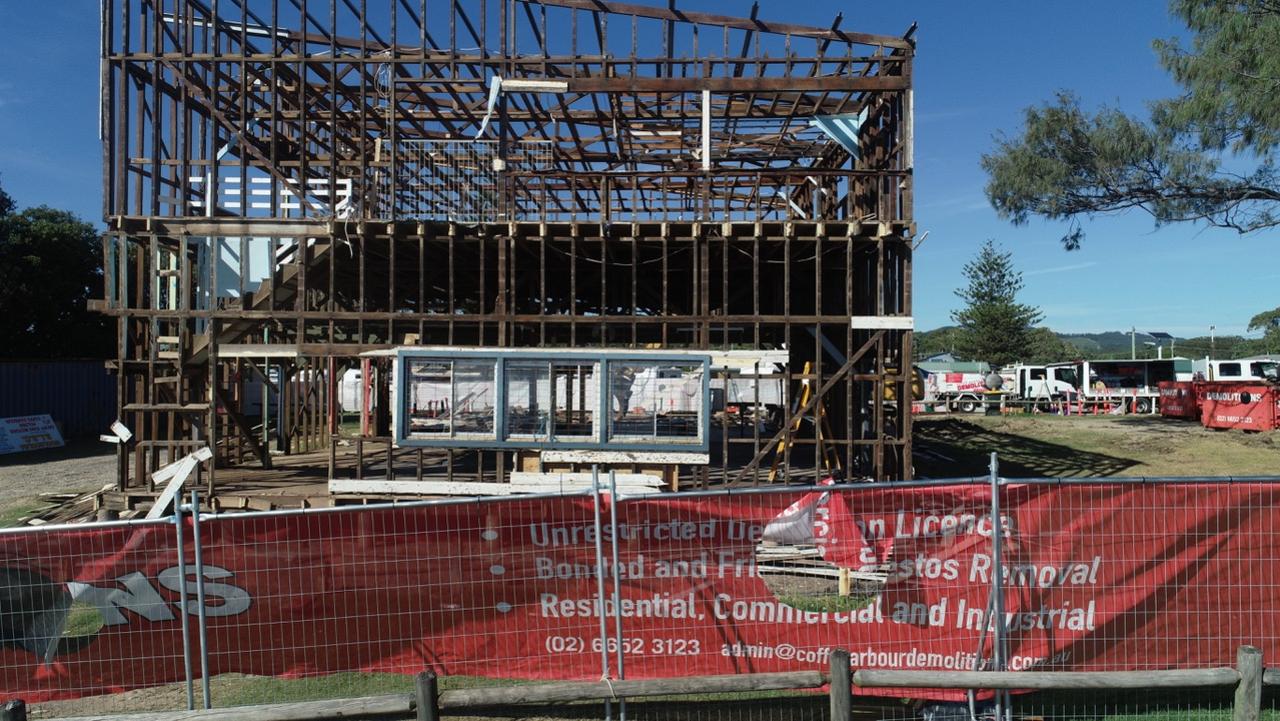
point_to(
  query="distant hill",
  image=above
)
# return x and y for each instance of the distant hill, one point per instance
(1116, 344)
(1112, 341)
(1091, 345)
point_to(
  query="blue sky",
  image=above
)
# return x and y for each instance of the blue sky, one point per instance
(979, 64)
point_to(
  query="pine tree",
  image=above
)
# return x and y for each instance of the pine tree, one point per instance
(994, 327)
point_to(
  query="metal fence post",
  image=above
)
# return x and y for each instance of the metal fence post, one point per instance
(617, 586)
(182, 604)
(600, 571)
(427, 697)
(1248, 701)
(200, 613)
(998, 655)
(841, 688)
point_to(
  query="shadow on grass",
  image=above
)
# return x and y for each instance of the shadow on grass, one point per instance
(73, 450)
(954, 448)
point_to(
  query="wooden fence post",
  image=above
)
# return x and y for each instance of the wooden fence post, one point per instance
(1248, 702)
(427, 697)
(841, 686)
(15, 710)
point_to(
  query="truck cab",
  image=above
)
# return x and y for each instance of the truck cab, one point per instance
(1041, 382)
(1255, 369)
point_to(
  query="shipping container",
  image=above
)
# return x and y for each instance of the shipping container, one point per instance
(80, 395)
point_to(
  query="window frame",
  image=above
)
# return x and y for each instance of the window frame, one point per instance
(601, 433)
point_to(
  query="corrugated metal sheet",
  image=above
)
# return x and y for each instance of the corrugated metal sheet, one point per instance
(80, 395)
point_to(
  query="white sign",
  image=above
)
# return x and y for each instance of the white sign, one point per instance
(28, 433)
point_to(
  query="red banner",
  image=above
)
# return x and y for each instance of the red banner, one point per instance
(1096, 577)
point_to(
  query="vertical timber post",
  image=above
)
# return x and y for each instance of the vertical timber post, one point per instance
(427, 697)
(15, 710)
(1248, 701)
(841, 686)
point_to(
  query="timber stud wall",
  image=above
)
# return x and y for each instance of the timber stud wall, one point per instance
(600, 222)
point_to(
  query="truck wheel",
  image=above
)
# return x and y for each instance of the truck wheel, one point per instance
(1142, 405)
(967, 405)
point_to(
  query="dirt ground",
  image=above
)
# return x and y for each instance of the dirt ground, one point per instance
(78, 467)
(1075, 446)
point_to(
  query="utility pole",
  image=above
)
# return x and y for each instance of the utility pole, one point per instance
(1212, 345)
(1133, 343)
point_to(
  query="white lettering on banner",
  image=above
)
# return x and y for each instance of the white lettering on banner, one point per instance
(1037, 576)
(234, 600)
(725, 608)
(923, 566)
(140, 596)
(928, 523)
(662, 605)
(782, 652)
(957, 661)
(727, 564)
(1063, 618)
(548, 535)
(549, 568)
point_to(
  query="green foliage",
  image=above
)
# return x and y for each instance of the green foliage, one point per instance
(1045, 346)
(1229, 74)
(50, 265)
(1067, 163)
(994, 327)
(939, 340)
(1266, 321)
(1269, 323)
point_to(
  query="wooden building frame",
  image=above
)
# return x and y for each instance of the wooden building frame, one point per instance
(290, 184)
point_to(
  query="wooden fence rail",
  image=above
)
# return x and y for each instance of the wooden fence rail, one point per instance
(427, 702)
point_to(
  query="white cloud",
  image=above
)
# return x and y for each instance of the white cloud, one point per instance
(1061, 268)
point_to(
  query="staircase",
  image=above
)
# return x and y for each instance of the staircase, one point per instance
(285, 281)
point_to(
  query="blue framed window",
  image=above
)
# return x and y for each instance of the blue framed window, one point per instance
(500, 398)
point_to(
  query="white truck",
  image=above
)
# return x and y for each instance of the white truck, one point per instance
(1245, 369)
(966, 392)
(1132, 385)
(1039, 384)
(958, 391)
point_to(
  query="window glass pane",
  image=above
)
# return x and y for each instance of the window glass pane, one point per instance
(576, 399)
(473, 398)
(650, 402)
(1229, 369)
(528, 400)
(429, 400)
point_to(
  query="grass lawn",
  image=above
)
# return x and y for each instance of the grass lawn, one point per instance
(1083, 446)
(13, 512)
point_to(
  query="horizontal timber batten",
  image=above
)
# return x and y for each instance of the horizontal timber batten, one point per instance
(285, 199)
